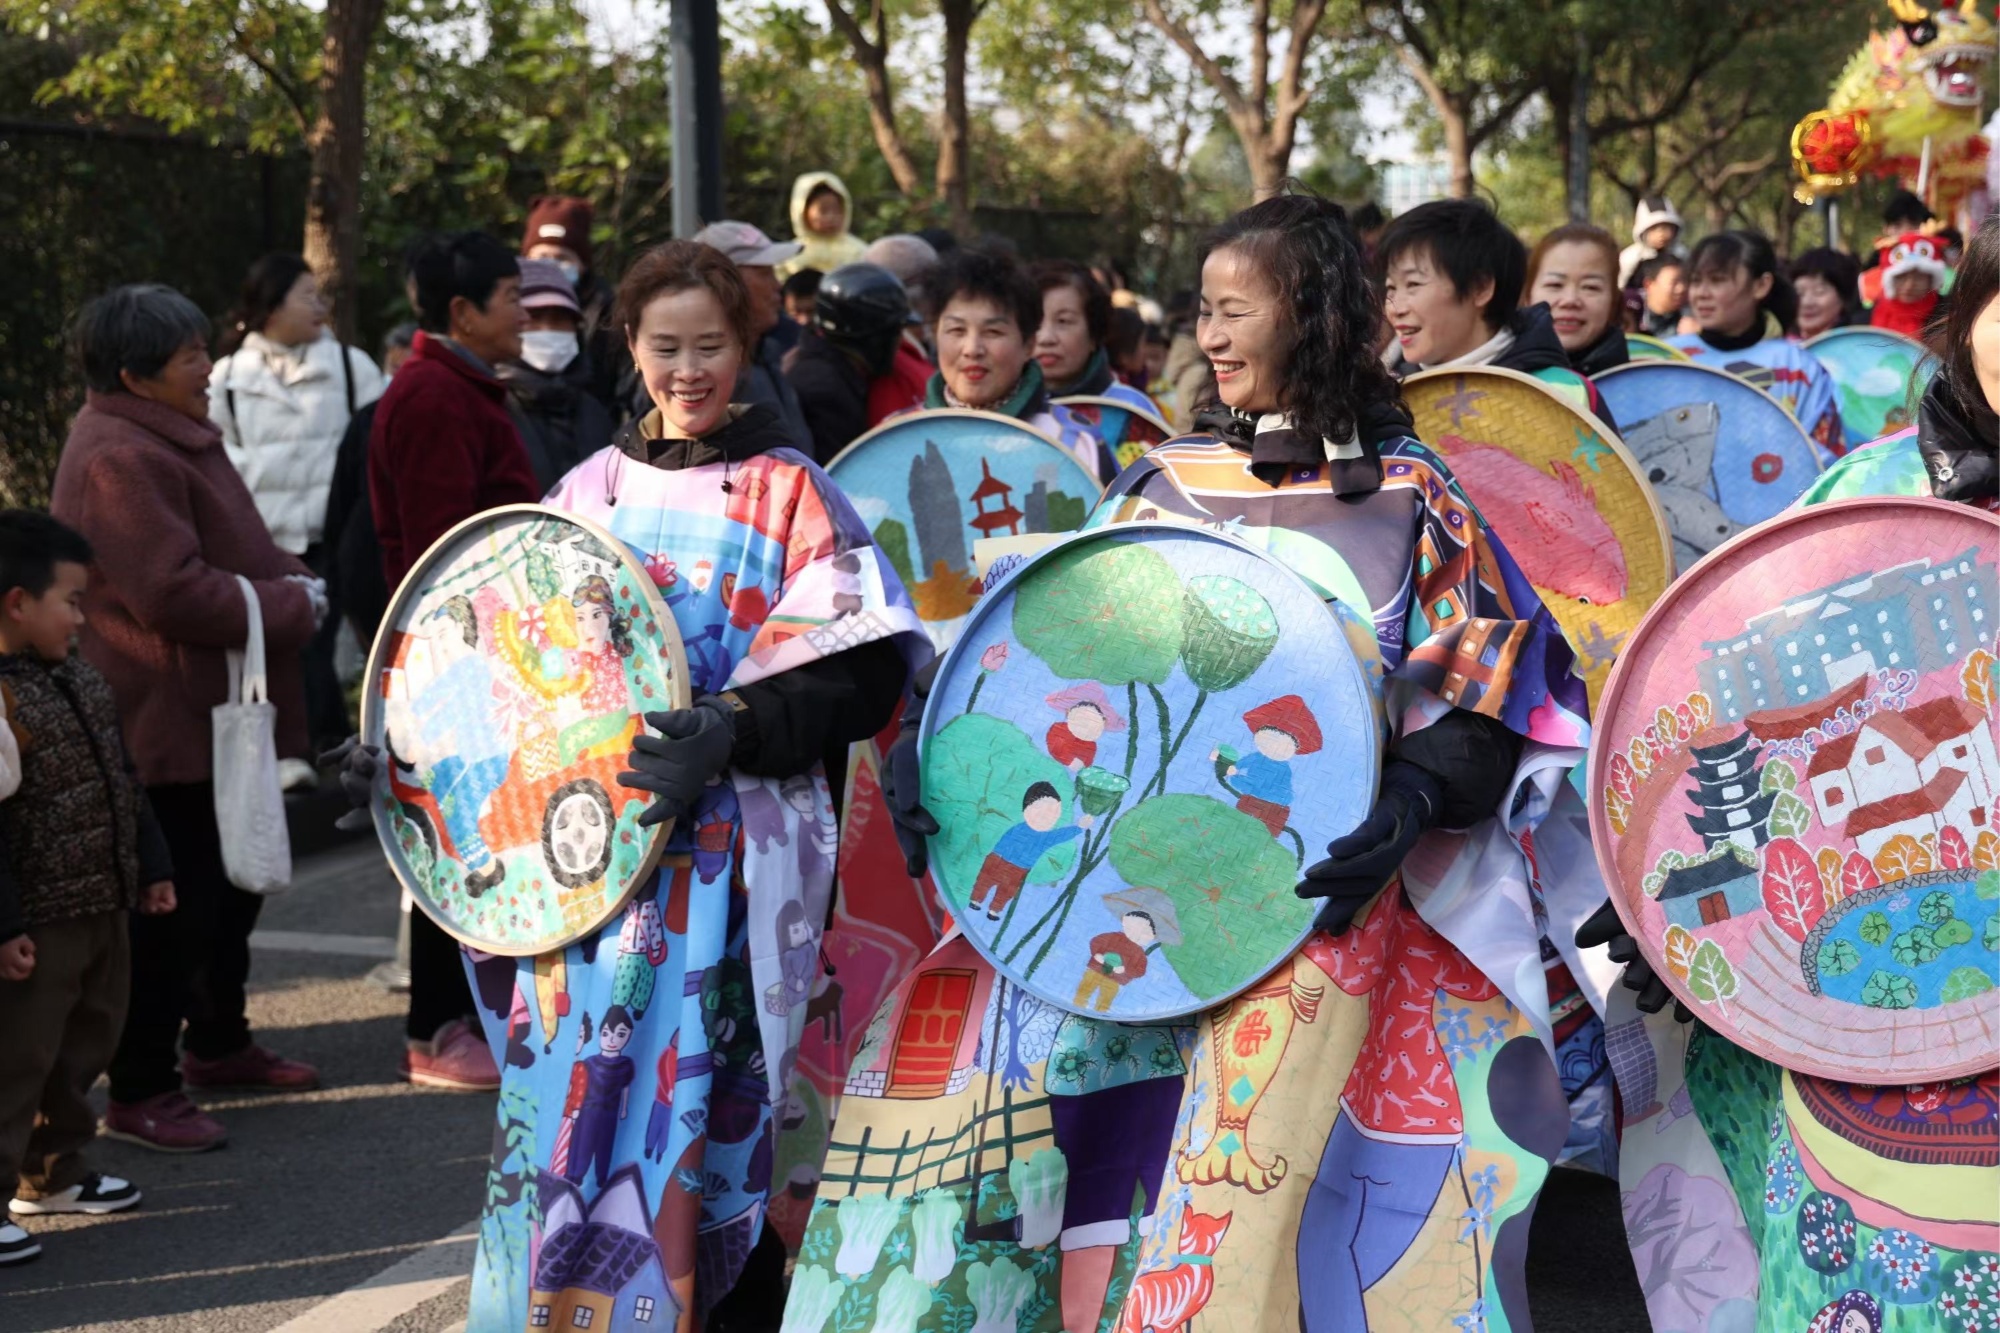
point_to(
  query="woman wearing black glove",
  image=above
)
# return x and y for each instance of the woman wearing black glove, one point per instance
(1311, 442)
(1866, 1203)
(798, 641)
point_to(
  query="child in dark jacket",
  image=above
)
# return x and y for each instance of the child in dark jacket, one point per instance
(79, 848)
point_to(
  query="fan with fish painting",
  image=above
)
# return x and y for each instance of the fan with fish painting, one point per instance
(1567, 500)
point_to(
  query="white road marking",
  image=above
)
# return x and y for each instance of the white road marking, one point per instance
(303, 941)
(396, 1290)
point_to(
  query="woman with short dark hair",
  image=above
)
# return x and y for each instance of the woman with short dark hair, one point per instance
(799, 640)
(1310, 455)
(144, 478)
(988, 312)
(1828, 286)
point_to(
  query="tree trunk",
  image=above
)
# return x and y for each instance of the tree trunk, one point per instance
(873, 57)
(954, 186)
(1267, 164)
(1455, 119)
(333, 194)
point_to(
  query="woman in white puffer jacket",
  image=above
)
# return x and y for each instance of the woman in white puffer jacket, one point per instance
(283, 398)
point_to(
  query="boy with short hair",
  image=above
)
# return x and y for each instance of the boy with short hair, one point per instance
(1006, 867)
(79, 847)
(801, 293)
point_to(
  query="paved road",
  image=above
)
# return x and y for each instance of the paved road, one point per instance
(363, 1183)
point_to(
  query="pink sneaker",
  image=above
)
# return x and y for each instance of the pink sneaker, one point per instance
(252, 1069)
(166, 1123)
(455, 1059)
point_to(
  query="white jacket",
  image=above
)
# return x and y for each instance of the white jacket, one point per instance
(282, 411)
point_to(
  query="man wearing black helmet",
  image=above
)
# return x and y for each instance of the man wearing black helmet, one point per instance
(860, 316)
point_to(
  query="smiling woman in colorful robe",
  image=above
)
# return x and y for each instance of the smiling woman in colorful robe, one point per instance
(1309, 454)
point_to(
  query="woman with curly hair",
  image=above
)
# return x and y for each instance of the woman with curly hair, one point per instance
(1329, 1181)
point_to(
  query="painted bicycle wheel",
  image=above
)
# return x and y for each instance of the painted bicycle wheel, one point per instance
(504, 688)
(1793, 782)
(1130, 752)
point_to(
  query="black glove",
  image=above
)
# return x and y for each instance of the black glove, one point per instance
(692, 747)
(1360, 863)
(903, 782)
(359, 767)
(1605, 927)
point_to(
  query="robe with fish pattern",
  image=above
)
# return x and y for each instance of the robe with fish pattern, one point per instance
(1734, 1221)
(1357, 1140)
(639, 1066)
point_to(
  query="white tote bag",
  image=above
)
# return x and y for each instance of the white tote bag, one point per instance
(249, 803)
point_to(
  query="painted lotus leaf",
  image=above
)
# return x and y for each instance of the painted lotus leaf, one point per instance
(1889, 990)
(1228, 630)
(1062, 606)
(1964, 983)
(1875, 928)
(1837, 958)
(1193, 849)
(1935, 907)
(1951, 932)
(1987, 886)
(1790, 816)
(976, 769)
(1914, 947)
(1989, 938)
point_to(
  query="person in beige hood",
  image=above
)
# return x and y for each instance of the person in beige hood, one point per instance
(821, 207)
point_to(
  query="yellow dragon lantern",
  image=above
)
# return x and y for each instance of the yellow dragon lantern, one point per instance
(1921, 81)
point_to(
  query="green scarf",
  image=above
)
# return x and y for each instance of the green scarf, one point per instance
(1015, 405)
(1095, 379)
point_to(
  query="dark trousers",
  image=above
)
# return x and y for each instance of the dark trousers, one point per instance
(190, 966)
(57, 1030)
(439, 991)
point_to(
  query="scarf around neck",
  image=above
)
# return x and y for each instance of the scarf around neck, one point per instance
(1094, 380)
(1277, 447)
(1024, 400)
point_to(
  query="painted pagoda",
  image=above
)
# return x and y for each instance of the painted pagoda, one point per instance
(989, 522)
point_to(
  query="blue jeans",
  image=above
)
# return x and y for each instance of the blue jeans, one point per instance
(1368, 1202)
(461, 790)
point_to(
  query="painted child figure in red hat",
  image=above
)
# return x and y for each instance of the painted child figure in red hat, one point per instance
(1086, 715)
(1913, 272)
(1261, 781)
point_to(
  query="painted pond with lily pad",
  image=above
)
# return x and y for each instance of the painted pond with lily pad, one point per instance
(1918, 943)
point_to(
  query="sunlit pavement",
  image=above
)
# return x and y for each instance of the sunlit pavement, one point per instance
(344, 1210)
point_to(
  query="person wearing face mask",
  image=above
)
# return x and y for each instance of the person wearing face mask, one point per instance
(1933, 1205)
(282, 396)
(1310, 450)
(443, 449)
(988, 313)
(1745, 307)
(1452, 276)
(800, 639)
(558, 230)
(547, 386)
(1574, 270)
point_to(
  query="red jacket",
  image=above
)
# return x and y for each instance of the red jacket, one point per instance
(902, 388)
(442, 449)
(172, 524)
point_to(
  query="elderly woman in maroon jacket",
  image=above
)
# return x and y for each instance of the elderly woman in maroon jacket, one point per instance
(144, 477)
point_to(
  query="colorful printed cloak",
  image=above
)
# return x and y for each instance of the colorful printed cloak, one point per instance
(1790, 374)
(1762, 1201)
(1356, 1141)
(634, 1146)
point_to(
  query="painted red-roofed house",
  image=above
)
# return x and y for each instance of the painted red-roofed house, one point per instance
(1914, 772)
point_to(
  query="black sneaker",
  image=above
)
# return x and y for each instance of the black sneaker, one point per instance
(16, 1245)
(95, 1193)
